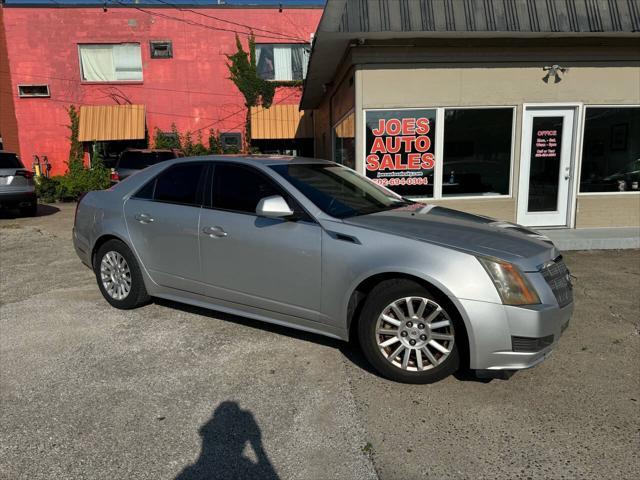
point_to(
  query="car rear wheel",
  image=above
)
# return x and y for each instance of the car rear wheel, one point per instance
(119, 277)
(408, 334)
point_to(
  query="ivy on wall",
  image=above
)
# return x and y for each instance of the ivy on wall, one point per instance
(256, 90)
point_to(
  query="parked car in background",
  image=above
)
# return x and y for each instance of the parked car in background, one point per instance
(133, 160)
(314, 245)
(17, 188)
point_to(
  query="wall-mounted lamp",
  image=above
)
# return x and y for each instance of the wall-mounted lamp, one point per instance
(554, 71)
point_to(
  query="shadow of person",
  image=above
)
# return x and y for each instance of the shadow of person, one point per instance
(226, 440)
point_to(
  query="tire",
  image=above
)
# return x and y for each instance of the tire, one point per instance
(30, 211)
(382, 337)
(116, 261)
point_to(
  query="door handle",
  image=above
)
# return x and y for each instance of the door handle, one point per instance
(214, 232)
(143, 217)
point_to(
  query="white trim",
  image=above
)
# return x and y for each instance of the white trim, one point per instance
(438, 152)
(439, 148)
(599, 194)
(525, 151)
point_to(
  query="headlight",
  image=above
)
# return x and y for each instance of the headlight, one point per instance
(513, 287)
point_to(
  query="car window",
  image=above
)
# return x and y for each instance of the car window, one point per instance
(9, 160)
(179, 184)
(339, 191)
(239, 188)
(139, 160)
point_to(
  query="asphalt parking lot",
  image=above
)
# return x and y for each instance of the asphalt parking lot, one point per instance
(169, 391)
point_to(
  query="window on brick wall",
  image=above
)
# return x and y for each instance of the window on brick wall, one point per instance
(161, 49)
(33, 91)
(120, 62)
(282, 62)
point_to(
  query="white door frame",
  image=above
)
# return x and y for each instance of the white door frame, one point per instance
(570, 150)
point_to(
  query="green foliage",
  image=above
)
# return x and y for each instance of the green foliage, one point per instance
(244, 74)
(163, 141)
(77, 181)
(191, 148)
(76, 152)
(215, 145)
(46, 188)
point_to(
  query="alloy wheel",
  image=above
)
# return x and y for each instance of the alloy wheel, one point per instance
(415, 334)
(115, 275)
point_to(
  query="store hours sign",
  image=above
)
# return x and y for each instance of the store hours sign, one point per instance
(400, 150)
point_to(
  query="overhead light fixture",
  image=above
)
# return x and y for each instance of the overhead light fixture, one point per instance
(554, 71)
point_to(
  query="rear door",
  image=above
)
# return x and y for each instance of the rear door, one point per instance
(272, 264)
(162, 219)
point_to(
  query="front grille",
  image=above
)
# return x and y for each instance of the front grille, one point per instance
(556, 274)
(530, 344)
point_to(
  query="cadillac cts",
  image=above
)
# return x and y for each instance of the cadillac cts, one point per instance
(313, 245)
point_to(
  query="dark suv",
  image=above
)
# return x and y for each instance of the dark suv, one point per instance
(17, 188)
(133, 160)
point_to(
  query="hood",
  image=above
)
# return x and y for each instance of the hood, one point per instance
(462, 231)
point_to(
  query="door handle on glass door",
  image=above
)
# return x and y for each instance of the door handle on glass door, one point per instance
(214, 232)
(143, 217)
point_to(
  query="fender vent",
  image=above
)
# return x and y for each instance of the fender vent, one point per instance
(344, 237)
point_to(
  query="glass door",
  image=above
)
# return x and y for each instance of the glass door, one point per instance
(545, 167)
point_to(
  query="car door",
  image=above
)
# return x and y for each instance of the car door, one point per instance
(162, 219)
(272, 264)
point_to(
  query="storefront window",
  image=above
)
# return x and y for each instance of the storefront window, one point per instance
(611, 150)
(344, 141)
(477, 151)
(400, 150)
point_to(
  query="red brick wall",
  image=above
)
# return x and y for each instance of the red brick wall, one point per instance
(8, 125)
(191, 90)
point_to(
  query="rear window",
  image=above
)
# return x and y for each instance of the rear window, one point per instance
(10, 160)
(140, 160)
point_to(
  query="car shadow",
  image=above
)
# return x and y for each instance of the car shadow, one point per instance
(225, 438)
(350, 350)
(43, 211)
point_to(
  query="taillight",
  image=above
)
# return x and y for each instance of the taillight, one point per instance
(114, 175)
(75, 215)
(24, 173)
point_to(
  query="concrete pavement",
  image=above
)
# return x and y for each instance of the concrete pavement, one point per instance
(171, 391)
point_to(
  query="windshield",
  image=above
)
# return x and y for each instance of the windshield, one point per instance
(339, 191)
(139, 160)
(9, 160)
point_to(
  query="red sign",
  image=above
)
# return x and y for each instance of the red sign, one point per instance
(400, 150)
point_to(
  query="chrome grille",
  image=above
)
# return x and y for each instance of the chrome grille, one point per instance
(556, 274)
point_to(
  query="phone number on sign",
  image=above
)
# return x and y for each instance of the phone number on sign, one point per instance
(393, 182)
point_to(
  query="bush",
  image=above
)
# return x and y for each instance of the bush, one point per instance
(75, 182)
(47, 188)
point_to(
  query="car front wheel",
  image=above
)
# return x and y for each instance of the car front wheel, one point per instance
(408, 334)
(119, 277)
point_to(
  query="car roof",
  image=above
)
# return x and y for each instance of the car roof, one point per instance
(148, 150)
(268, 160)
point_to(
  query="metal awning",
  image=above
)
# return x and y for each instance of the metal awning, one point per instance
(280, 122)
(111, 122)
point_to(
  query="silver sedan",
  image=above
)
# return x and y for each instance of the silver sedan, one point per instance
(313, 245)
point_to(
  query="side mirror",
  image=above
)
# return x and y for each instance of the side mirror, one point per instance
(273, 207)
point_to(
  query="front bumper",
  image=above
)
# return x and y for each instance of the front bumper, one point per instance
(492, 328)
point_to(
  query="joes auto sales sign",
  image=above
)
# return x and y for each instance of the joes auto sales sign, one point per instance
(400, 150)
